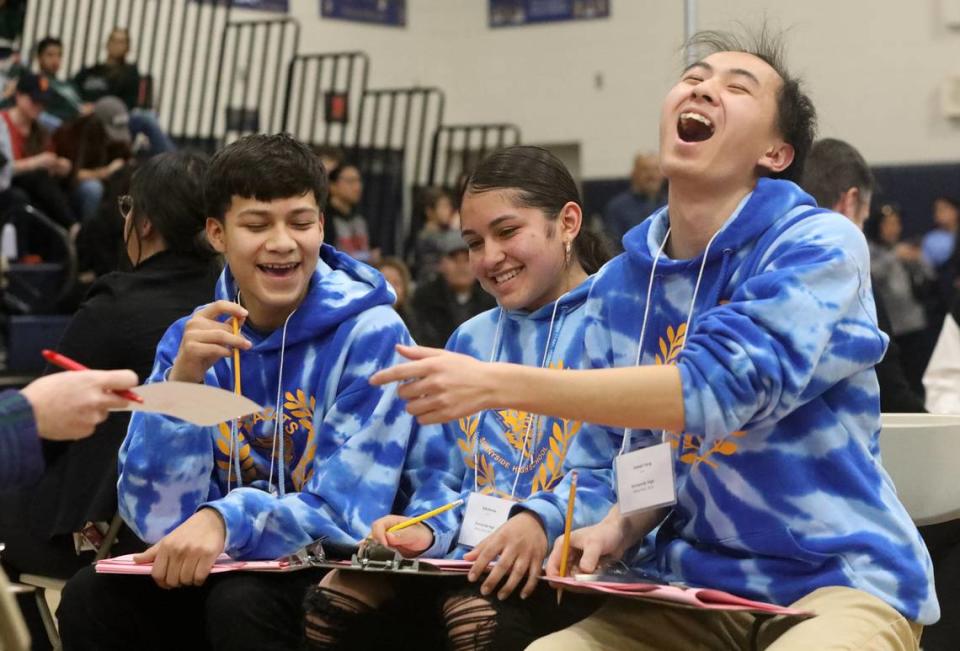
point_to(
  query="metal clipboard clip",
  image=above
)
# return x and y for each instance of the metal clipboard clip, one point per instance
(375, 557)
(310, 555)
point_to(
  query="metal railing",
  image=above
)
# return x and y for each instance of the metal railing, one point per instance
(175, 44)
(394, 130)
(252, 78)
(457, 148)
(313, 82)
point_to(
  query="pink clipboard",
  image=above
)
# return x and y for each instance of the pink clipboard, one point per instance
(125, 565)
(699, 598)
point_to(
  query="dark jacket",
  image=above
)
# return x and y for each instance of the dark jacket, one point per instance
(117, 326)
(104, 79)
(896, 395)
(438, 313)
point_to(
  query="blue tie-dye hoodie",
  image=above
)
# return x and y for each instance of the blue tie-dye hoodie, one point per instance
(780, 486)
(550, 336)
(342, 444)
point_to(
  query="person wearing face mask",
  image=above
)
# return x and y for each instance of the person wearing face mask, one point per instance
(118, 326)
(521, 221)
(742, 321)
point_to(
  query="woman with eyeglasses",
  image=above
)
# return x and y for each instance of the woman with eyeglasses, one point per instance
(117, 326)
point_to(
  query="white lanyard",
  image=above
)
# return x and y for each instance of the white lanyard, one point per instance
(531, 417)
(625, 445)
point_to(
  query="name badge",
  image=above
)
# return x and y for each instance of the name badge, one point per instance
(645, 479)
(483, 515)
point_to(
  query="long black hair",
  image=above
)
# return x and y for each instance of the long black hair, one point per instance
(167, 190)
(539, 180)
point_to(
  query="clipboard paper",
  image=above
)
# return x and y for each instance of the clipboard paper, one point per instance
(697, 598)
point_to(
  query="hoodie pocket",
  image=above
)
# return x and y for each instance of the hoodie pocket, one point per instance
(778, 544)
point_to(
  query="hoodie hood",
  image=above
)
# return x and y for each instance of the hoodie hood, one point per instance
(339, 289)
(756, 213)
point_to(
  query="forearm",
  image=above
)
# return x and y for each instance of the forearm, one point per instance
(95, 174)
(647, 397)
(24, 165)
(637, 525)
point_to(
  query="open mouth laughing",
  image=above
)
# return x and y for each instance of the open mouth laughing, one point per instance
(694, 127)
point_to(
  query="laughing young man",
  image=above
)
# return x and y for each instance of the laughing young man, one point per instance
(323, 460)
(744, 316)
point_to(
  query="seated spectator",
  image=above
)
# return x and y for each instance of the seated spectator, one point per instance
(901, 277)
(837, 176)
(97, 145)
(117, 326)
(451, 298)
(398, 277)
(438, 213)
(344, 227)
(36, 169)
(121, 79)
(65, 102)
(938, 243)
(632, 206)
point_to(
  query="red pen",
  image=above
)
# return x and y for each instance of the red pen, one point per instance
(65, 362)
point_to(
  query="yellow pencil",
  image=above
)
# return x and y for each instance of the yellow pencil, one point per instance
(236, 358)
(421, 518)
(565, 552)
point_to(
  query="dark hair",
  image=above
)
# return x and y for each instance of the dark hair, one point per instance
(48, 41)
(539, 181)
(796, 115)
(167, 190)
(334, 174)
(833, 167)
(433, 195)
(950, 201)
(264, 168)
(871, 229)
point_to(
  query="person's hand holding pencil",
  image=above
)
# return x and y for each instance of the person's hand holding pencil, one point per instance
(209, 335)
(407, 535)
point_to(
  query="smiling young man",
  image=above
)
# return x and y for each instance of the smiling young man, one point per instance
(744, 318)
(323, 460)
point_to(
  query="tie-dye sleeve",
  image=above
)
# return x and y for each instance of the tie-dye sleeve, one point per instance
(21, 458)
(804, 322)
(165, 464)
(361, 443)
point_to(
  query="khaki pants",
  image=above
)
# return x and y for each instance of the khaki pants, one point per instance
(846, 619)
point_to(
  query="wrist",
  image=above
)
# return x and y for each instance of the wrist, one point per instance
(179, 374)
(501, 388)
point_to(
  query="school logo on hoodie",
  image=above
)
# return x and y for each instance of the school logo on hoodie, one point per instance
(690, 447)
(256, 431)
(541, 453)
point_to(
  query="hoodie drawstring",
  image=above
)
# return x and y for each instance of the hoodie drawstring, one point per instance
(494, 354)
(278, 422)
(627, 432)
(532, 418)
